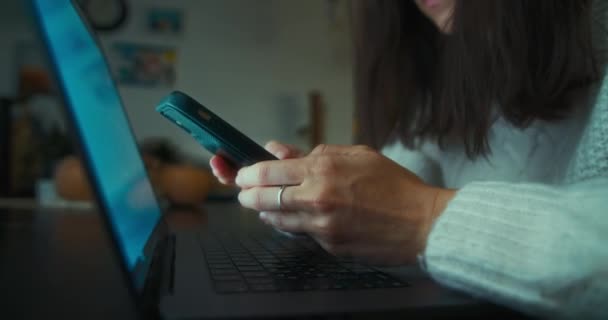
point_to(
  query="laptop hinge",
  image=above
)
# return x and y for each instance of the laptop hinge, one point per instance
(159, 280)
(168, 267)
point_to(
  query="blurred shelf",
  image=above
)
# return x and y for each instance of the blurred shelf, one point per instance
(29, 204)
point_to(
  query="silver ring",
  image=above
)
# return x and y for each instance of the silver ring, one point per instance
(280, 197)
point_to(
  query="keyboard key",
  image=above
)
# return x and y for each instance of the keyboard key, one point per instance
(264, 256)
(287, 285)
(280, 275)
(274, 265)
(258, 252)
(264, 287)
(381, 275)
(255, 274)
(269, 260)
(292, 277)
(223, 271)
(228, 277)
(344, 276)
(250, 268)
(219, 261)
(260, 280)
(230, 286)
(221, 265)
(215, 252)
(306, 286)
(398, 284)
(350, 284)
(271, 264)
(357, 268)
(322, 283)
(216, 256)
(250, 263)
(338, 286)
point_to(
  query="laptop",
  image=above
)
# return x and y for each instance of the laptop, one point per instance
(235, 266)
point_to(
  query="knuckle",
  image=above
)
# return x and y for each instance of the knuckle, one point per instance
(263, 173)
(325, 166)
(278, 221)
(291, 175)
(323, 200)
(258, 200)
(326, 227)
(320, 149)
(363, 148)
(334, 248)
(330, 246)
(322, 204)
(331, 231)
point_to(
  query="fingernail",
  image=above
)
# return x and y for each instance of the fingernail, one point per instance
(263, 215)
(238, 179)
(281, 154)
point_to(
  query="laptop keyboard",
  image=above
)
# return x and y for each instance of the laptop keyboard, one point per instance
(274, 264)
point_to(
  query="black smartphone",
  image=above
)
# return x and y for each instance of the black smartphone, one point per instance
(213, 133)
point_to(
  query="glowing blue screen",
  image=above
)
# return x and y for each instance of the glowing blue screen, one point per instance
(105, 133)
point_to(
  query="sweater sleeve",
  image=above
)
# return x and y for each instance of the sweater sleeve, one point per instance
(542, 250)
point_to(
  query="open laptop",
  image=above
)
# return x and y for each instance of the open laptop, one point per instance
(236, 266)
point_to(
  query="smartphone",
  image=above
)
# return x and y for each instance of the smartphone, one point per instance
(213, 133)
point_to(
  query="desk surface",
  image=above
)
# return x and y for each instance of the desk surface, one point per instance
(58, 267)
(57, 263)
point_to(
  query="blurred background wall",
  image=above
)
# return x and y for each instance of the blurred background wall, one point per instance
(253, 62)
(258, 64)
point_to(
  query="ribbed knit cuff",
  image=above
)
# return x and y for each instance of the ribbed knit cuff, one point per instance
(489, 233)
(537, 248)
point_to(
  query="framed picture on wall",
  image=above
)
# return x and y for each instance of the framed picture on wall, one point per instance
(144, 65)
(165, 21)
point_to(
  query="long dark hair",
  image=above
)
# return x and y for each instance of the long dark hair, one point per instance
(524, 57)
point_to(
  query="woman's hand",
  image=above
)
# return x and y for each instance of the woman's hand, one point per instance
(352, 200)
(225, 173)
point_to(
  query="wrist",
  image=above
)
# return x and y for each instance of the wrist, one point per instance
(440, 199)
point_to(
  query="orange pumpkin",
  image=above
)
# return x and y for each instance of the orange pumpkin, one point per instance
(181, 184)
(71, 181)
(185, 184)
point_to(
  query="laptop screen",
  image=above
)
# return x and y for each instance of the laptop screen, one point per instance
(100, 121)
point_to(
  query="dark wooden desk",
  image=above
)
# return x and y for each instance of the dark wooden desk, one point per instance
(57, 263)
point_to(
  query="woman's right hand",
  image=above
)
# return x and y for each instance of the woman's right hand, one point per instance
(225, 173)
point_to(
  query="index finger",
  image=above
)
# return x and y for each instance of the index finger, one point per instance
(273, 173)
(222, 170)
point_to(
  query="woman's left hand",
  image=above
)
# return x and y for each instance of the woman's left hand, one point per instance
(352, 200)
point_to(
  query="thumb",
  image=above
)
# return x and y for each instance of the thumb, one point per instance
(282, 151)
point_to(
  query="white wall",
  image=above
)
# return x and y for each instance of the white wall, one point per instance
(241, 58)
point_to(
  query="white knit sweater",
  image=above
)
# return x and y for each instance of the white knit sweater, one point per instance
(528, 227)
